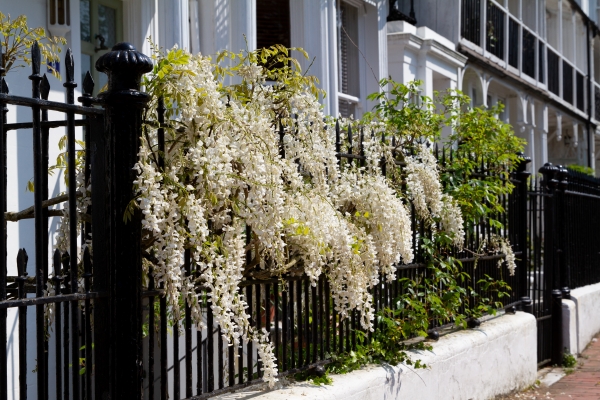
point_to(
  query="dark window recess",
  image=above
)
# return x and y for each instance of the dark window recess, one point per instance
(580, 94)
(541, 63)
(513, 43)
(495, 31)
(553, 73)
(528, 65)
(471, 21)
(597, 98)
(348, 74)
(567, 83)
(272, 24)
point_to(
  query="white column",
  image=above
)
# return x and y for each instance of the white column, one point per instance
(212, 25)
(424, 74)
(542, 134)
(558, 127)
(243, 23)
(382, 11)
(174, 26)
(329, 21)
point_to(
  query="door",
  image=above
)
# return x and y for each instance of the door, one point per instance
(101, 28)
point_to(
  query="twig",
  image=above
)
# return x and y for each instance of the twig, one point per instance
(28, 212)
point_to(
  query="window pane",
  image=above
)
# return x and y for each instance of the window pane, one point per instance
(84, 16)
(107, 19)
(348, 80)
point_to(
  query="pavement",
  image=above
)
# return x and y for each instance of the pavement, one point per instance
(579, 383)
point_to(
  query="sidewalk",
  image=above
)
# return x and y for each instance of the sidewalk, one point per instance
(582, 384)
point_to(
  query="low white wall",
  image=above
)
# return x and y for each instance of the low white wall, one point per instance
(498, 357)
(587, 303)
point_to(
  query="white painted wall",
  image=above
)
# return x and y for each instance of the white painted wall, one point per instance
(587, 315)
(497, 358)
(420, 53)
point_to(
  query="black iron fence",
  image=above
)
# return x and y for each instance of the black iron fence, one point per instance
(111, 337)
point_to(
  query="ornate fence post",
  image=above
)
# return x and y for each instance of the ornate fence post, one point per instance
(520, 217)
(551, 273)
(113, 175)
(563, 269)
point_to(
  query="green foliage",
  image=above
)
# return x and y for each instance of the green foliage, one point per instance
(17, 39)
(385, 345)
(569, 360)
(442, 294)
(309, 375)
(581, 169)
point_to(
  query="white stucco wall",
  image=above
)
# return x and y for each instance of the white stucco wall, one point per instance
(587, 302)
(498, 357)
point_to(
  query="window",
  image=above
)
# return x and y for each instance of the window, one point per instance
(348, 61)
(272, 23)
(101, 28)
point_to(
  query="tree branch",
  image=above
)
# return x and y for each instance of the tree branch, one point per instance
(28, 212)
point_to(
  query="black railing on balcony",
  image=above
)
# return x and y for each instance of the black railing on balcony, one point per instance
(528, 63)
(597, 103)
(471, 21)
(495, 31)
(553, 72)
(541, 62)
(580, 93)
(513, 43)
(567, 82)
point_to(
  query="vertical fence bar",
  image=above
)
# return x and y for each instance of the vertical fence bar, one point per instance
(258, 323)
(3, 265)
(250, 366)
(286, 329)
(21, 279)
(199, 367)
(57, 279)
(89, 362)
(123, 104)
(66, 330)
(299, 322)
(188, 331)
(210, 385)
(40, 253)
(70, 85)
(277, 320)
(315, 322)
(44, 92)
(176, 363)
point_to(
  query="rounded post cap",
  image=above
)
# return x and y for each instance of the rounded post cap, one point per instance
(124, 66)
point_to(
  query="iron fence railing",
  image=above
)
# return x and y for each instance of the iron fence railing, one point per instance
(471, 20)
(528, 53)
(553, 72)
(495, 30)
(513, 43)
(567, 82)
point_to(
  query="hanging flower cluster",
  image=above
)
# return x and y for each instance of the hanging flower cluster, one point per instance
(251, 186)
